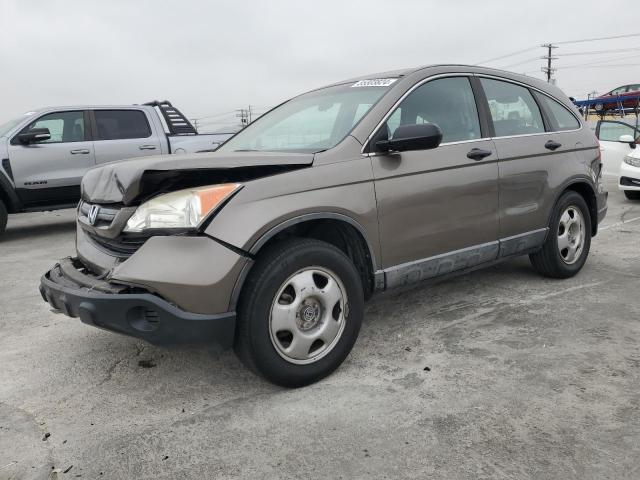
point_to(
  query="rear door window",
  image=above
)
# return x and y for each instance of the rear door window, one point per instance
(513, 109)
(561, 116)
(121, 124)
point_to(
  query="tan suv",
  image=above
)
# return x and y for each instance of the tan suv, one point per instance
(272, 243)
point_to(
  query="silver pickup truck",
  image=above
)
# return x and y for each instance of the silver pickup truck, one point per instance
(45, 153)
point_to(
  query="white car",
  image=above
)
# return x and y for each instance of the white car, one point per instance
(620, 154)
(629, 180)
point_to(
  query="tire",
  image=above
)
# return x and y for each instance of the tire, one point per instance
(286, 287)
(632, 194)
(3, 217)
(567, 245)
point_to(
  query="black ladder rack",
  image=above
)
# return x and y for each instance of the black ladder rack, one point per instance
(176, 122)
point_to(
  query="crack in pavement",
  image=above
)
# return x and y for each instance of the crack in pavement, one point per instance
(139, 348)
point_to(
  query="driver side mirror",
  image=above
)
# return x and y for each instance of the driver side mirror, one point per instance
(34, 135)
(628, 139)
(423, 136)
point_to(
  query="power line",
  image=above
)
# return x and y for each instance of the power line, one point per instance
(508, 55)
(216, 115)
(598, 38)
(599, 52)
(521, 63)
(582, 40)
(605, 66)
(601, 62)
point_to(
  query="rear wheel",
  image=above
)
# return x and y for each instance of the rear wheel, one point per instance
(299, 313)
(567, 245)
(3, 217)
(632, 194)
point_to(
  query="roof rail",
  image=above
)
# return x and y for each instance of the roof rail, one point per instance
(176, 122)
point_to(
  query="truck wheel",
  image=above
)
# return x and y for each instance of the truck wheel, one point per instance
(3, 217)
(632, 194)
(567, 245)
(299, 313)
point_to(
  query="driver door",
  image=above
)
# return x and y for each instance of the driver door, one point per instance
(438, 208)
(49, 172)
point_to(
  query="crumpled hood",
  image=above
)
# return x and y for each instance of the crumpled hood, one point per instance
(126, 180)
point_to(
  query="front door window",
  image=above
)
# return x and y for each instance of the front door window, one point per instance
(64, 127)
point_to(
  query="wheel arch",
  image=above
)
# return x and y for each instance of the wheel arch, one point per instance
(337, 229)
(8, 195)
(583, 187)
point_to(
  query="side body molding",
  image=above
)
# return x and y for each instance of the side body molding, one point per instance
(463, 260)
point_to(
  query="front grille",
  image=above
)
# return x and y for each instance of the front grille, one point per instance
(105, 215)
(123, 246)
(104, 228)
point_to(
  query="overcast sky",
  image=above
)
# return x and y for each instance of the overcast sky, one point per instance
(211, 57)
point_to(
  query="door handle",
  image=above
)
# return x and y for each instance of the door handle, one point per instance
(551, 145)
(147, 147)
(478, 154)
(80, 151)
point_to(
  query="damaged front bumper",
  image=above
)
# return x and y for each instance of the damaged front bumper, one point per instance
(134, 312)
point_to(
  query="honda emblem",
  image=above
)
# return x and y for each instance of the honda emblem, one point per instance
(93, 214)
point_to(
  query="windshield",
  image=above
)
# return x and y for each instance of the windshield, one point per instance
(8, 126)
(312, 122)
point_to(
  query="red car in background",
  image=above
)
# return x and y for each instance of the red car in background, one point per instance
(629, 95)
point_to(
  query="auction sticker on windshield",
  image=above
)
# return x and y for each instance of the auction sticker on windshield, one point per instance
(375, 82)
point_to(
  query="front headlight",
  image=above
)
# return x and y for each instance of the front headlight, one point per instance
(183, 209)
(633, 161)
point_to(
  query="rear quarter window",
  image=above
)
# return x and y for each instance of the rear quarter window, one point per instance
(562, 118)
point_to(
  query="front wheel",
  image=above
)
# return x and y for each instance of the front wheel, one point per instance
(632, 194)
(299, 313)
(567, 245)
(3, 217)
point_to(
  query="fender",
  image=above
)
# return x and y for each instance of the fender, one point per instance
(258, 244)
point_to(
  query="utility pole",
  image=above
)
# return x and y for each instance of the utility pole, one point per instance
(195, 123)
(548, 71)
(243, 114)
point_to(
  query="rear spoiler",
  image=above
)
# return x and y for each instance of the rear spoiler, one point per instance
(177, 123)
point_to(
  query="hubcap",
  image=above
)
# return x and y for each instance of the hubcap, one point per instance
(308, 315)
(571, 235)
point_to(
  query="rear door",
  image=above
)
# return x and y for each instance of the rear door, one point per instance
(437, 209)
(531, 158)
(613, 151)
(49, 172)
(123, 133)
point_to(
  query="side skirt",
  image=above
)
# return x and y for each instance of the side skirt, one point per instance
(462, 261)
(34, 199)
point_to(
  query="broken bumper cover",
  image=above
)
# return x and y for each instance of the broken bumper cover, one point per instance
(142, 315)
